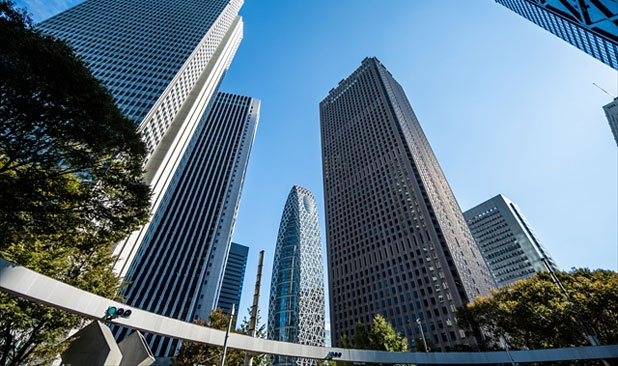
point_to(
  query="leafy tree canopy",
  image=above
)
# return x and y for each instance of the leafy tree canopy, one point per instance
(260, 332)
(534, 313)
(195, 353)
(70, 181)
(380, 337)
(69, 160)
(419, 346)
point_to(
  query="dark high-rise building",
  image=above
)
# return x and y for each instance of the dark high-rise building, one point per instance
(163, 61)
(397, 242)
(506, 240)
(178, 270)
(233, 278)
(296, 307)
(590, 25)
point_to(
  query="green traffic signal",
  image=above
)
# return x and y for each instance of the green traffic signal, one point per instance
(113, 312)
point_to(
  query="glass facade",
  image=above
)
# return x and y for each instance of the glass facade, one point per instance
(179, 268)
(296, 307)
(139, 51)
(397, 243)
(506, 240)
(590, 25)
(233, 278)
(163, 61)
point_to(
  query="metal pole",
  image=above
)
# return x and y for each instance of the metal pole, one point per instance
(583, 325)
(508, 352)
(227, 334)
(254, 308)
(581, 322)
(418, 321)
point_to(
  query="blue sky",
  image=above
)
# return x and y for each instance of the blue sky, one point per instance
(507, 107)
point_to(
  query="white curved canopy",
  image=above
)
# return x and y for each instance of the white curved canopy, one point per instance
(26, 283)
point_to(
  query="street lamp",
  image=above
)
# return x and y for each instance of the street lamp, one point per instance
(581, 322)
(578, 318)
(506, 348)
(418, 321)
(227, 334)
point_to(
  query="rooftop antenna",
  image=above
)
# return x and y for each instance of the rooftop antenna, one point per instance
(606, 92)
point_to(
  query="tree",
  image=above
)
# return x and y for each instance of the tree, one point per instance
(380, 337)
(534, 313)
(383, 337)
(419, 346)
(260, 332)
(203, 354)
(195, 353)
(70, 181)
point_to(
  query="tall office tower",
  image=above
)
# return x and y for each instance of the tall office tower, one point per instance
(397, 243)
(590, 25)
(179, 268)
(506, 240)
(233, 278)
(296, 307)
(611, 111)
(162, 60)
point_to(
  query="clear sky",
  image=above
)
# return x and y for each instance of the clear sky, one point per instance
(507, 107)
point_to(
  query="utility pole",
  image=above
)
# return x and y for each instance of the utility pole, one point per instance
(254, 307)
(227, 334)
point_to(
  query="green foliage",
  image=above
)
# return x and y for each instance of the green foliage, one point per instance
(69, 160)
(380, 337)
(419, 346)
(535, 314)
(192, 353)
(70, 181)
(195, 353)
(202, 354)
(361, 337)
(260, 332)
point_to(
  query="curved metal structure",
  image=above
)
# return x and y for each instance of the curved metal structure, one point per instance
(26, 283)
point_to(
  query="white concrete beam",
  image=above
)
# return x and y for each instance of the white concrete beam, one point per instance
(26, 283)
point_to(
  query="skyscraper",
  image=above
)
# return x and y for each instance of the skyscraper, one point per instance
(397, 243)
(178, 270)
(611, 112)
(590, 25)
(506, 240)
(296, 307)
(162, 61)
(233, 278)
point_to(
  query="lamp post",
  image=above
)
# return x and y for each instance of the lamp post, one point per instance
(227, 334)
(581, 322)
(508, 351)
(578, 319)
(418, 321)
